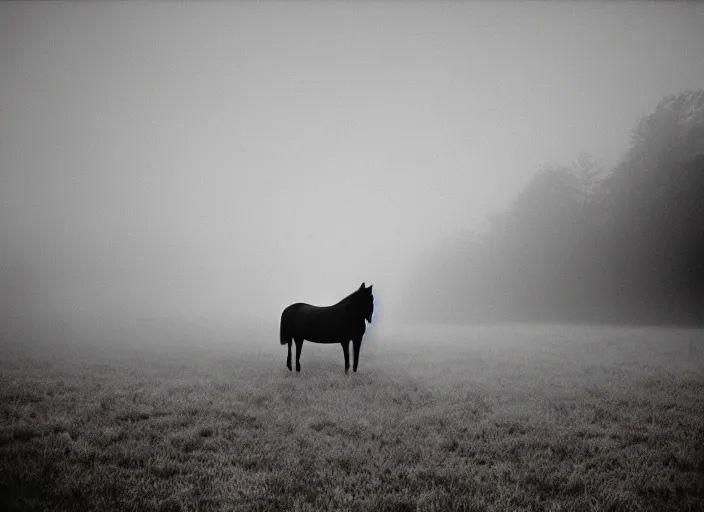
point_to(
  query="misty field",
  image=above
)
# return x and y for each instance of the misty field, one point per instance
(483, 418)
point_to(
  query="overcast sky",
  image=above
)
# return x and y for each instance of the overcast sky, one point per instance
(226, 159)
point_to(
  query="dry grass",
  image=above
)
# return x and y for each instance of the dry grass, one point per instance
(513, 418)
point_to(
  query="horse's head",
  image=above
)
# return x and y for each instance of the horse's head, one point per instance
(363, 302)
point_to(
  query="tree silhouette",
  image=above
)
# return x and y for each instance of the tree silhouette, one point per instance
(580, 245)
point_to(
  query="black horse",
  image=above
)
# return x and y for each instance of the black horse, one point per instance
(330, 324)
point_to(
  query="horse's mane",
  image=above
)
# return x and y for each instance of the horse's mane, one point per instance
(348, 298)
(345, 300)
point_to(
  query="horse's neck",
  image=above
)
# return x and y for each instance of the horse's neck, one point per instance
(346, 299)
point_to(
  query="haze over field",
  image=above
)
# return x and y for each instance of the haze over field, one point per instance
(174, 175)
(213, 162)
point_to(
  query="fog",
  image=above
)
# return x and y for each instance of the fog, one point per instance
(210, 163)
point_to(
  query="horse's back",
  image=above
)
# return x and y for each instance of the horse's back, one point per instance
(319, 324)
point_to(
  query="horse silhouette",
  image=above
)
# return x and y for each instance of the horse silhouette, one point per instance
(341, 323)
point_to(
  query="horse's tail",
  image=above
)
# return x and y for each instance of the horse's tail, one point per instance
(285, 329)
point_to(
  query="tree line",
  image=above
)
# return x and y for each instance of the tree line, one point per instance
(583, 244)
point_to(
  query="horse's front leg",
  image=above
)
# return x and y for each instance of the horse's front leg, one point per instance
(299, 345)
(346, 351)
(288, 359)
(356, 345)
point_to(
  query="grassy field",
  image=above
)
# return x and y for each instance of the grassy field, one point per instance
(484, 418)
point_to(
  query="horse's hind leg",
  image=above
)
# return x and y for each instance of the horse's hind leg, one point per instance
(288, 359)
(346, 350)
(299, 345)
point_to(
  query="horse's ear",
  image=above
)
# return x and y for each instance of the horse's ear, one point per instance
(362, 287)
(370, 288)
